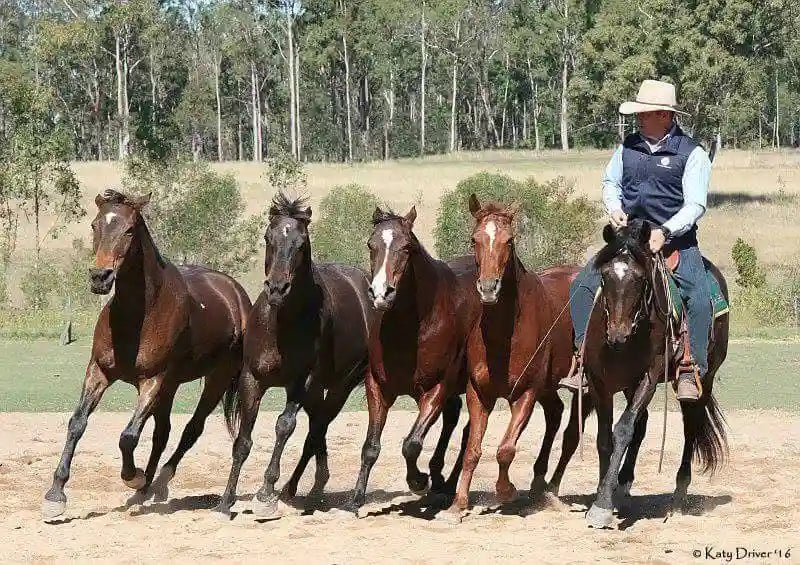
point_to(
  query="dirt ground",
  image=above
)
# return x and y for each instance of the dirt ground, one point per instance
(752, 503)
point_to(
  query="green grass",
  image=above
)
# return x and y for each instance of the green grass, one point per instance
(42, 376)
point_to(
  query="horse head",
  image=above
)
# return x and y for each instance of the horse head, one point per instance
(626, 266)
(493, 242)
(287, 246)
(113, 230)
(390, 247)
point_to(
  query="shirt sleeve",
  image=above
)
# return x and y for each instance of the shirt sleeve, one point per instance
(612, 182)
(696, 176)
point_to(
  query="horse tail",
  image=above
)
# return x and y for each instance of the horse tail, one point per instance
(711, 441)
(232, 406)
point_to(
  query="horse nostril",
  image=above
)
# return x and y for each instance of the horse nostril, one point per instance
(285, 288)
(370, 293)
(389, 291)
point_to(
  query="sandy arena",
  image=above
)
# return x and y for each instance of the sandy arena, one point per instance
(752, 503)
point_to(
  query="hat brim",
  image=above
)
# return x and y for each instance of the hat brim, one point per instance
(628, 108)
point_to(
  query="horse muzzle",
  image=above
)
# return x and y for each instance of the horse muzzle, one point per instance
(382, 298)
(617, 336)
(277, 291)
(101, 280)
(489, 291)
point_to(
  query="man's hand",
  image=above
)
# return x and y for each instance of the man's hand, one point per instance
(619, 219)
(657, 240)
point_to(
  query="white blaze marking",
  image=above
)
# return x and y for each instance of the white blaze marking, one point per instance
(286, 230)
(379, 282)
(491, 231)
(620, 269)
(203, 306)
(110, 216)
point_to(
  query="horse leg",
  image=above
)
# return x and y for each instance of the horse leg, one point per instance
(214, 387)
(250, 393)
(94, 385)
(430, 405)
(450, 485)
(161, 430)
(450, 414)
(478, 419)
(149, 395)
(570, 441)
(317, 424)
(553, 409)
(265, 501)
(521, 411)
(692, 414)
(600, 515)
(378, 407)
(626, 475)
(605, 435)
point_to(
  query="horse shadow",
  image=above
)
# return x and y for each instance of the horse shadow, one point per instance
(650, 506)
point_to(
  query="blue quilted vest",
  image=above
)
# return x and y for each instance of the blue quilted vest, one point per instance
(652, 187)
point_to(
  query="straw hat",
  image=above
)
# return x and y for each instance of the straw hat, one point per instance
(653, 95)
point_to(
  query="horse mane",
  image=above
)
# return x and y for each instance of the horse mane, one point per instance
(282, 205)
(628, 239)
(381, 216)
(116, 197)
(497, 209)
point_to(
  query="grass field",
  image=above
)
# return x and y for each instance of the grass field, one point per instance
(754, 195)
(42, 376)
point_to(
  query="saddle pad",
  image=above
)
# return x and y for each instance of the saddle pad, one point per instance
(719, 305)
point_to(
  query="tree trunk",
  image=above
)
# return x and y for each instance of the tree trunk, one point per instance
(777, 113)
(564, 108)
(292, 84)
(255, 108)
(121, 146)
(424, 51)
(217, 65)
(388, 95)
(297, 101)
(505, 107)
(347, 93)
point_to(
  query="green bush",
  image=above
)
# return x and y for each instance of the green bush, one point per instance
(196, 215)
(285, 174)
(343, 225)
(75, 278)
(552, 228)
(751, 275)
(39, 286)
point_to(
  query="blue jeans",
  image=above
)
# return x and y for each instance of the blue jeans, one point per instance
(691, 279)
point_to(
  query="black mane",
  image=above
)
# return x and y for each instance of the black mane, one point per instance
(381, 216)
(628, 238)
(116, 197)
(282, 205)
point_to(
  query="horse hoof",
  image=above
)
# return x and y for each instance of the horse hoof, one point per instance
(506, 494)
(265, 510)
(538, 487)
(222, 511)
(553, 489)
(599, 518)
(450, 516)
(160, 487)
(52, 509)
(137, 499)
(420, 487)
(137, 482)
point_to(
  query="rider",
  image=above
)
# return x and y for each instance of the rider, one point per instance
(661, 175)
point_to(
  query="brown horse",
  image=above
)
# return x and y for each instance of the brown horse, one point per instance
(307, 333)
(625, 351)
(164, 326)
(416, 347)
(518, 351)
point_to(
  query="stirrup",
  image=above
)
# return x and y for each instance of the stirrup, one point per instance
(576, 377)
(687, 384)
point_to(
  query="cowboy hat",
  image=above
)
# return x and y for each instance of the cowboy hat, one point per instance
(653, 95)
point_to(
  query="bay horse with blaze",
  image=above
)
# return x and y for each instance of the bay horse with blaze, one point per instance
(165, 325)
(518, 350)
(416, 346)
(307, 333)
(625, 352)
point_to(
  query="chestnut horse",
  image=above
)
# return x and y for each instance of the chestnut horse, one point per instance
(307, 333)
(625, 351)
(416, 347)
(518, 351)
(164, 326)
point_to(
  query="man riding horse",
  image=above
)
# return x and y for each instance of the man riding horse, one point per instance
(661, 175)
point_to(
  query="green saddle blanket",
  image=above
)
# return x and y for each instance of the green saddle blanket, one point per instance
(719, 304)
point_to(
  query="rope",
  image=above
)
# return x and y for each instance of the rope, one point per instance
(662, 270)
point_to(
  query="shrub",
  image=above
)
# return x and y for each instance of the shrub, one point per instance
(751, 275)
(286, 174)
(75, 278)
(196, 214)
(343, 225)
(39, 285)
(551, 227)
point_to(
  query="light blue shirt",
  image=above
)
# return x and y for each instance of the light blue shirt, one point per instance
(696, 176)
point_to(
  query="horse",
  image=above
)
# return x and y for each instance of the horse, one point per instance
(416, 346)
(164, 326)
(625, 351)
(518, 350)
(307, 333)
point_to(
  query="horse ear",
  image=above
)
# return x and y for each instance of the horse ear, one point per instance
(644, 234)
(609, 234)
(99, 200)
(411, 216)
(377, 215)
(514, 209)
(141, 201)
(305, 215)
(474, 205)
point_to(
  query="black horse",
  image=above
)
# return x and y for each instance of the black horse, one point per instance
(634, 310)
(307, 333)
